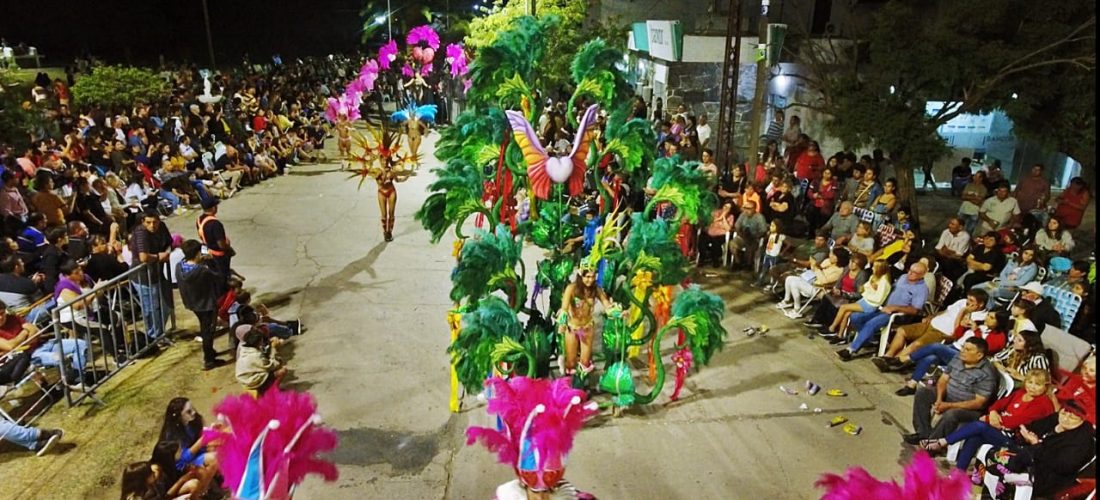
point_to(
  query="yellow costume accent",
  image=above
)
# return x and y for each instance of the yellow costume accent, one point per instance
(641, 283)
(454, 320)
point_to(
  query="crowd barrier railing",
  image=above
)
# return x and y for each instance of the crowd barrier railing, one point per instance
(106, 328)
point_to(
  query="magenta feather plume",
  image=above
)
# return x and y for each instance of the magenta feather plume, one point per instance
(456, 58)
(247, 417)
(922, 482)
(466, 84)
(332, 109)
(425, 70)
(368, 74)
(387, 54)
(407, 70)
(424, 34)
(552, 431)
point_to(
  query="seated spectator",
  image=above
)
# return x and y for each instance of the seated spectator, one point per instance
(993, 332)
(46, 201)
(799, 258)
(1044, 312)
(73, 313)
(712, 241)
(33, 239)
(1021, 311)
(1054, 240)
(1016, 273)
(868, 189)
(105, 261)
(1077, 274)
(53, 255)
(258, 365)
(1027, 353)
(900, 253)
(749, 229)
(76, 244)
(1005, 417)
(821, 198)
(1050, 453)
(751, 193)
(846, 291)
(967, 384)
(12, 206)
(797, 288)
(963, 313)
(952, 247)
(781, 205)
(842, 225)
(884, 205)
(1081, 389)
(999, 211)
(19, 291)
(36, 440)
(45, 351)
(243, 312)
(873, 294)
(187, 482)
(183, 425)
(863, 242)
(907, 297)
(983, 264)
(1071, 204)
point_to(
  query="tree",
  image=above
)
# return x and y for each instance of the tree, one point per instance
(19, 117)
(564, 39)
(119, 86)
(971, 54)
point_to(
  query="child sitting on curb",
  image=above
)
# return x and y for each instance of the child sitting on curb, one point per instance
(258, 364)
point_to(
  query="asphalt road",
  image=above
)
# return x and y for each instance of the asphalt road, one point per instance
(375, 358)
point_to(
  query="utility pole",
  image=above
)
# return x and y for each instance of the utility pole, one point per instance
(389, 21)
(761, 84)
(531, 8)
(731, 63)
(209, 39)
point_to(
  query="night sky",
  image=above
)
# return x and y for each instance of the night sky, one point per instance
(138, 32)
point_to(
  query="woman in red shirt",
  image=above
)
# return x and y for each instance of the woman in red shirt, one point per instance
(809, 165)
(1072, 203)
(822, 198)
(1082, 389)
(1002, 422)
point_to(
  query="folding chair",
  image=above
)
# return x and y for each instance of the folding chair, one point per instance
(1065, 302)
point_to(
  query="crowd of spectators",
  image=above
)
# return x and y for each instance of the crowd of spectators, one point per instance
(84, 204)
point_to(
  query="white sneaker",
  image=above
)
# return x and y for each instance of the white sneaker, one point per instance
(784, 305)
(793, 314)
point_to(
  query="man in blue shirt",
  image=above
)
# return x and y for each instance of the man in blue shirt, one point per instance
(908, 297)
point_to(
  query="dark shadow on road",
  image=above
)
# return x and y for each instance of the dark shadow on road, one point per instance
(406, 453)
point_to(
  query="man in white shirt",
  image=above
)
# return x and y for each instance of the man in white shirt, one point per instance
(703, 131)
(999, 211)
(952, 247)
(908, 338)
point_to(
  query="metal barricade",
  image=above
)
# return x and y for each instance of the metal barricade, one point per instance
(107, 327)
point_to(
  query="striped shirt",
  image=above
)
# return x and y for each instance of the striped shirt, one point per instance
(964, 383)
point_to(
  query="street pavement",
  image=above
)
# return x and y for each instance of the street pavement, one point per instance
(374, 357)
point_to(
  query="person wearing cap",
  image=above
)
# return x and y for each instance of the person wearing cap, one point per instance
(212, 234)
(1044, 313)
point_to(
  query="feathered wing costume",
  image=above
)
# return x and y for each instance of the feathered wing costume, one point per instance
(270, 444)
(542, 169)
(425, 113)
(539, 419)
(922, 482)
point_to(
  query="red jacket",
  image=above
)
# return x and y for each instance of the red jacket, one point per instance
(1076, 390)
(1015, 412)
(996, 339)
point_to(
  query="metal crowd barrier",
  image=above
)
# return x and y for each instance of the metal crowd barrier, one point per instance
(105, 329)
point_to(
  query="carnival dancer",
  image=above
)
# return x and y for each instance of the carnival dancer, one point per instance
(575, 321)
(382, 162)
(343, 137)
(415, 121)
(538, 420)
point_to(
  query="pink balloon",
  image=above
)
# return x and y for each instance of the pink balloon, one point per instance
(428, 54)
(418, 53)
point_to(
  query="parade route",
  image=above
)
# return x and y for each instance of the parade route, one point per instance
(375, 359)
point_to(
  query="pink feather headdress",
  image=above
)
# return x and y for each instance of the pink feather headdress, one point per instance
(539, 420)
(368, 74)
(425, 34)
(387, 54)
(456, 58)
(286, 449)
(922, 482)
